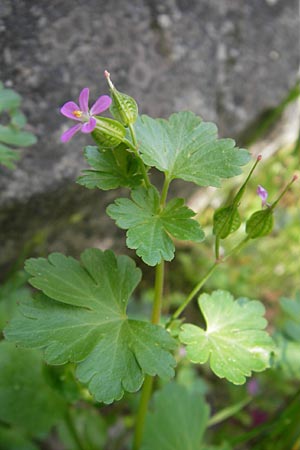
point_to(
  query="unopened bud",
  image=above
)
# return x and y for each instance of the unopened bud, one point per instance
(123, 107)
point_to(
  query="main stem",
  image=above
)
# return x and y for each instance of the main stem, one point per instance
(155, 319)
(135, 149)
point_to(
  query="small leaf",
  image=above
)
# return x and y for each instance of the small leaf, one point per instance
(108, 132)
(234, 341)
(260, 223)
(149, 227)
(27, 401)
(113, 168)
(18, 119)
(8, 156)
(85, 322)
(178, 421)
(9, 99)
(185, 147)
(226, 220)
(13, 136)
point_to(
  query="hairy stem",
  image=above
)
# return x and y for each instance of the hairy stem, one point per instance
(155, 319)
(135, 149)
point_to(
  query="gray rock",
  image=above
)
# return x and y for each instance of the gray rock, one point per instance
(228, 61)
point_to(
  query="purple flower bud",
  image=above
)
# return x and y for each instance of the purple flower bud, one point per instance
(263, 194)
(253, 386)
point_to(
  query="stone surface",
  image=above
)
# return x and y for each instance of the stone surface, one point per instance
(228, 61)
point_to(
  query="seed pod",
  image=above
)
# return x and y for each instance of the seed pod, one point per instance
(108, 132)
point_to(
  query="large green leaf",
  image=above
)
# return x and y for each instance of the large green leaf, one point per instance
(149, 226)
(186, 147)
(27, 401)
(178, 421)
(112, 168)
(85, 322)
(234, 341)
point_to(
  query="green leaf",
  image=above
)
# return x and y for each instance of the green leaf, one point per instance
(14, 439)
(234, 341)
(11, 293)
(108, 132)
(13, 136)
(9, 99)
(18, 119)
(149, 226)
(178, 421)
(185, 147)
(8, 156)
(27, 401)
(226, 220)
(113, 168)
(260, 223)
(85, 322)
(291, 309)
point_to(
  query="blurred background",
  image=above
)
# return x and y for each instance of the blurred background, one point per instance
(232, 62)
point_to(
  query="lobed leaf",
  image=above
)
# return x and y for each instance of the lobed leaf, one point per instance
(112, 168)
(185, 147)
(234, 342)
(81, 318)
(178, 421)
(149, 227)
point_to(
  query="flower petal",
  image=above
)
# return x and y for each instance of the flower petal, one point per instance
(68, 109)
(84, 99)
(262, 193)
(67, 135)
(89, 126)
(101, 104)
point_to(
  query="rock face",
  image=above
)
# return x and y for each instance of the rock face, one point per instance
(226, 60)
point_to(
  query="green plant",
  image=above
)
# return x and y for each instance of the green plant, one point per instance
(79, 316)
(12, 134)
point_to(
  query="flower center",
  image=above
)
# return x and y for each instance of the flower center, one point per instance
(77, 113)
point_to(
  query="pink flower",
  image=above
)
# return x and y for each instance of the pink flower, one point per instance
(263, 194)
(83, 114)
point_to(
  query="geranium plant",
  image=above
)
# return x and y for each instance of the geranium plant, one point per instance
(79, 312)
